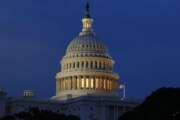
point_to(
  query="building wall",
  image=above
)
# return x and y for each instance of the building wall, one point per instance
(98, 108)
(86, 107)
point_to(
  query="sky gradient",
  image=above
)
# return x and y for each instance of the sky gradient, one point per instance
(143, 37)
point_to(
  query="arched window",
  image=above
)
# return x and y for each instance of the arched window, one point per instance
(110, 67)
(86, 64)
(77, 64)
(100, 65)
(69, 65)
(104, 65)
(74, 65)
(91, 65)
(95, 64)
(82, 64)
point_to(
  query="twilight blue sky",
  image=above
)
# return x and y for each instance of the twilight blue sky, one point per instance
(143, 37)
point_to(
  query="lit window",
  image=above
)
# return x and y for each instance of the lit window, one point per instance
(92, 83)
(104, 84)
(78, 83)
(88, 24)
(82, 82)
(97, 83)
(110, 82)
(100, 83)
(87, 83)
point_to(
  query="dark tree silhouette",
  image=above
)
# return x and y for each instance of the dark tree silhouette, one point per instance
(163, 104)
(37, 114)
(72, 117)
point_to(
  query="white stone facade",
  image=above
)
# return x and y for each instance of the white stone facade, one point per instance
(86, 107)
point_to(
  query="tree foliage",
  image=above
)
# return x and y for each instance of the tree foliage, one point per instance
(163, 104)
(37, 114)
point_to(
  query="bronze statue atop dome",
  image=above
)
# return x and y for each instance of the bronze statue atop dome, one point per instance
(87, 13)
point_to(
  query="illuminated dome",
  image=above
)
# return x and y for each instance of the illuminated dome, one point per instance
(86, 68)
(87, 43)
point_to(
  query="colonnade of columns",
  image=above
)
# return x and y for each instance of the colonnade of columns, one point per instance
(87, 64)
(87, 82)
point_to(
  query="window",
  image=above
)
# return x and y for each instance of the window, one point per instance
(100, 65)
(95, 64)
(82, 64)
(87, 83)
(97, 83)
(86, 64)
(91, 66)
(104, 65)
(100, 83)
(74, 65)
(92, 83)
(78, 82)
(110, 83)
(83, 82)
(77, 64)
(104, 83)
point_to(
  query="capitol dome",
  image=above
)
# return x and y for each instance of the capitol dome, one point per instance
(87, 43)
(87, 67)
